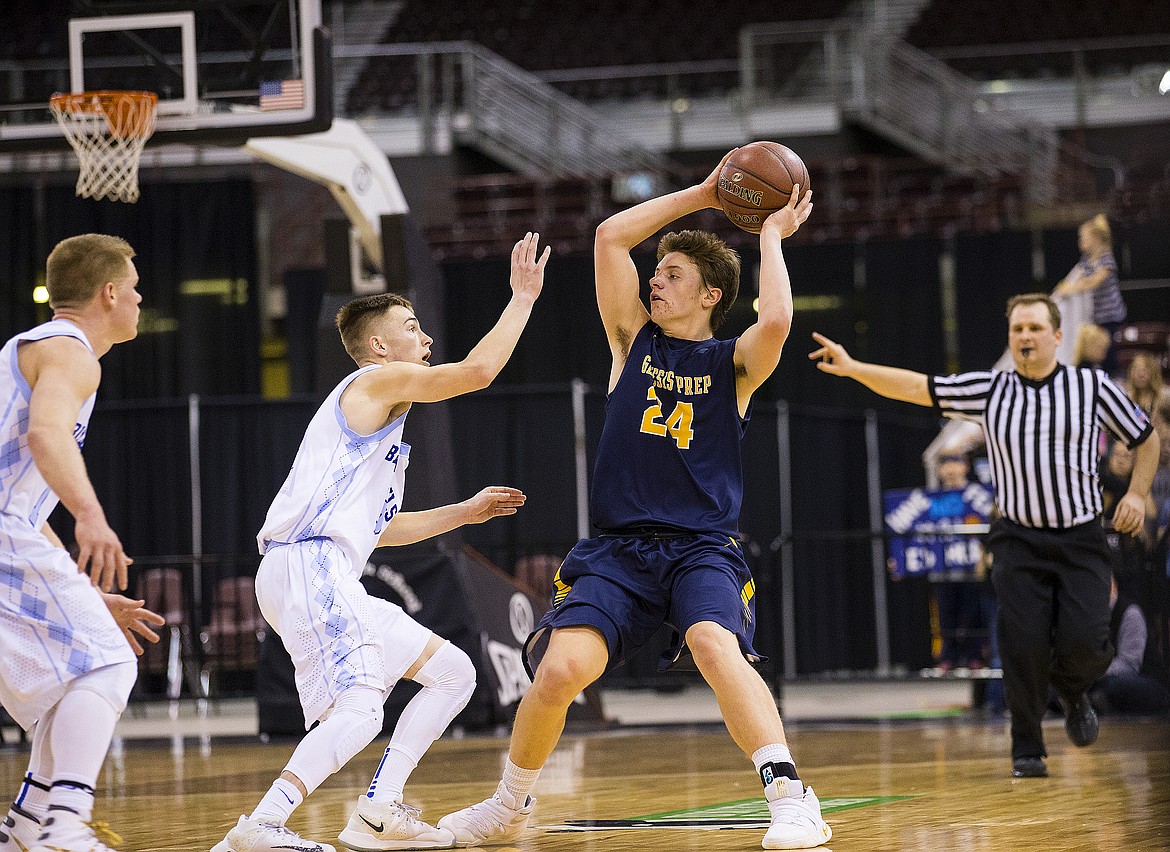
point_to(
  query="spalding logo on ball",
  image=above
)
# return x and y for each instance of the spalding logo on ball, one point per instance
(757, 180)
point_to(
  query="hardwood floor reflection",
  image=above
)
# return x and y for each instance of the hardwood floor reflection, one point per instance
(893, 786)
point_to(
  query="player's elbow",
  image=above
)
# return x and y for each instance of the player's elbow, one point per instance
(608, 234)
(776, 324)
(479, 374)
(40, 442)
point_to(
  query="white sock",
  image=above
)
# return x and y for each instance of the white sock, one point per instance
(278, 803)
(448, 681)
(79, 735)
(517, 783)
(33, 798)
(777, 771)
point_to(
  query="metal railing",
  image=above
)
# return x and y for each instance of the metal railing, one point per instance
(479, 97)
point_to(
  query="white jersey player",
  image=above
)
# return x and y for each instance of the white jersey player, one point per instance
(342, 499)
(66, 665)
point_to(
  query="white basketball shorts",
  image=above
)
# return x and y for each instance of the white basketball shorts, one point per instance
(54, 625)
(337, 634)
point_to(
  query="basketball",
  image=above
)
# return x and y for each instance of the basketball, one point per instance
(757, 180)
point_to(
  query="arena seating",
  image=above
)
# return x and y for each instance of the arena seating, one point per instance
(967, 23)
(539, 36)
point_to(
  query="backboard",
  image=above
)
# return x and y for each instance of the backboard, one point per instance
(224, 70)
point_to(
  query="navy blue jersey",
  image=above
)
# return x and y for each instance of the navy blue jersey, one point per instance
(670, 448)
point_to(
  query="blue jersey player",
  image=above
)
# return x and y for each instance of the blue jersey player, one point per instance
(666, 496)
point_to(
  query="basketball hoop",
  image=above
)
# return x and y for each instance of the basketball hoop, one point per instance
(108, 130)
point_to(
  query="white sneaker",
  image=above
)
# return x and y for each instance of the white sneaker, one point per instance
(377, 826)
(490, 823)
(19, 831)
(64, 831)
(256, 836)
(797, 823)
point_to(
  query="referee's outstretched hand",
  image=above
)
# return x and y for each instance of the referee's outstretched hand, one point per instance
(834, 359)
(1130, 512)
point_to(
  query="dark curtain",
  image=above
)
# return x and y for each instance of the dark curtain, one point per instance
(196, 264)
(21, 267)
(903, 303)
(989, 268)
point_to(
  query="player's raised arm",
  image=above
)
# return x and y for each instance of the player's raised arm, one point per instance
(403, 381)
(758, 351)
(622, 311)
(61, 382)
(891, 382)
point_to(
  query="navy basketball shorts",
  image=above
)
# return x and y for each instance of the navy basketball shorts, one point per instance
(627, 587)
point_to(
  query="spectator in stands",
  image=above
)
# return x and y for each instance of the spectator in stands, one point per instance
(1134, 681)
(956, 592)
(1091, 347)
(1143, 382)
(1096, 273)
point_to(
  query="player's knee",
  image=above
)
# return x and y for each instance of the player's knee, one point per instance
(113, 683)
(711, 644)
(559, 679)
(449, 670)
(358, 716)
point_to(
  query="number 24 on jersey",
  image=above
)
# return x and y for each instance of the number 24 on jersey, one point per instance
(678, 424)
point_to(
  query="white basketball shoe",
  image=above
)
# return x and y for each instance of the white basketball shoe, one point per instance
(255, 836)
(796, 820)
(379, 826)
(19, 831)
(64, 831)
(492, 822)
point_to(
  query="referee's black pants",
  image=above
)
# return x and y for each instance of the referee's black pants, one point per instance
(1053, 591)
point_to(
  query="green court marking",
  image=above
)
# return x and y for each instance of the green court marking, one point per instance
(746, 813)
(758, 808)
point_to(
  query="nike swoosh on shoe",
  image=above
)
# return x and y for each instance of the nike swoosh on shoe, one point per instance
(380, 827)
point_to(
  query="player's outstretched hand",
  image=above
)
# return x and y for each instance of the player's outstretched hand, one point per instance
(493, 502)
(710, 185)
(100, 554)
(133, 617)
(792, 215)
(833, 357)
(527, 267)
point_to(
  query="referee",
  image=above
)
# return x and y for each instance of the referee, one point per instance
(1051, 564)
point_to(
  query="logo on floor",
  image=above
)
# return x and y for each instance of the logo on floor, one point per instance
(748, 813)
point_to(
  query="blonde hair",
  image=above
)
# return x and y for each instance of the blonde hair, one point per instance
(1147, 395)
(1090, 337)
(79, 266)
(1099, 225)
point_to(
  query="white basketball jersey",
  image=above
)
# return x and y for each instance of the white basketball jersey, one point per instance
(343, 486)
(25, 498)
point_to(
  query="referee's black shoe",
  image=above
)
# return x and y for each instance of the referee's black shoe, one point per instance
(1029, 767)
(1080, 720)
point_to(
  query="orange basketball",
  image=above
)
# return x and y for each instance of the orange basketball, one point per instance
(757, 180)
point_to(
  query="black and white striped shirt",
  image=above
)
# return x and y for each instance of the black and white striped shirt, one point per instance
(1043, 437)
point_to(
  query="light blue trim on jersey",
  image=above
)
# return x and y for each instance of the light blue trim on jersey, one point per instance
(21, 382)
(357, 437)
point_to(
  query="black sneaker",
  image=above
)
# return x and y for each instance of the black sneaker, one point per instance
(1029, 767)
(1080, 720)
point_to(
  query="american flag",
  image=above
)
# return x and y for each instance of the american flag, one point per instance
(282, 94)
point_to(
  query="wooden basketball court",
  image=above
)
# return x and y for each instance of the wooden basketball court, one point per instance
(914, 786)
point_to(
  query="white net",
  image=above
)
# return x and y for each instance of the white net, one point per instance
(108, 130)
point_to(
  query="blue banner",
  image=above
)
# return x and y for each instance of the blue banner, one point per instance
(922, 527)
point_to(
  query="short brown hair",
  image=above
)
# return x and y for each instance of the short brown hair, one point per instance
(354, 318)
(79, 266)
(718, 265)
(1035, 299)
